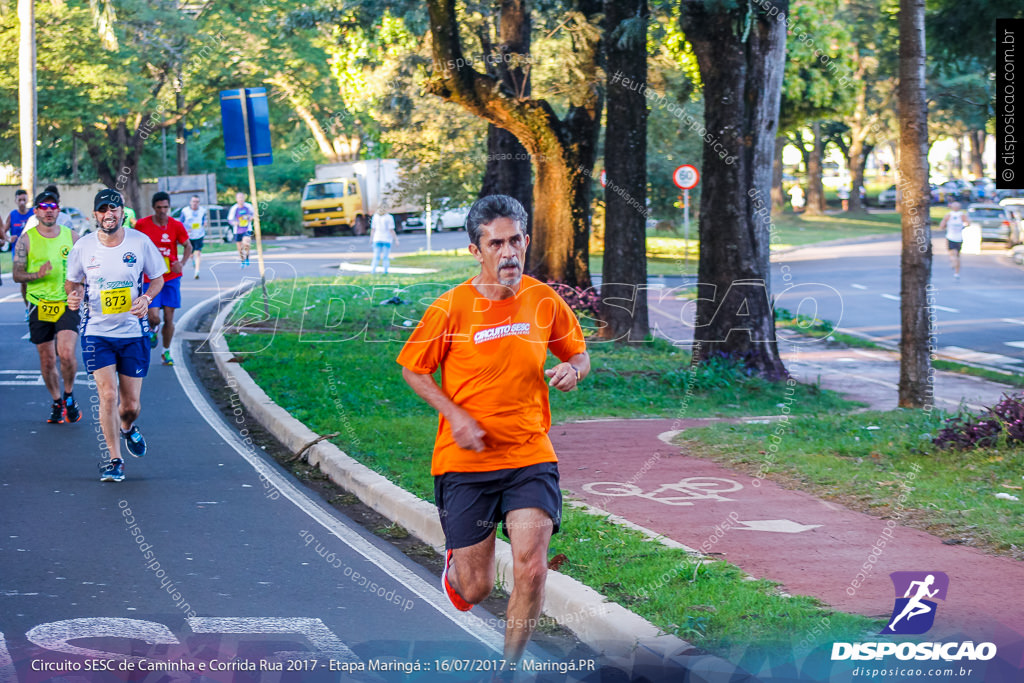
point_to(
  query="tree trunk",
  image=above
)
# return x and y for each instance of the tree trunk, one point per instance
(778, 196)
(958, 161)
(977, 138)
(741, 65)
(915, 390)
(508, 163)
(859, 130)
(563, 150)
(815, 187)
(624, 272)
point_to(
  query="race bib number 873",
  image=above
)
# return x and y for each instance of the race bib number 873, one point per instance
(117, 300)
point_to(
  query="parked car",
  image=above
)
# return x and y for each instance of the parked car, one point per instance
(218, 225)
(983, 190)
(997, 223)
(80, 223)
(955, 190)
(887, 197)
(451, 218)
(414, 222)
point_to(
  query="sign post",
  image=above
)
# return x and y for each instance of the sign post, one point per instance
(246, 111)
(686, 178)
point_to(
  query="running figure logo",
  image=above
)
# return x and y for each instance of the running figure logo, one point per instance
(914, 612)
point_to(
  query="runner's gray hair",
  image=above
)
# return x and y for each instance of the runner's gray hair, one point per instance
(490, 208)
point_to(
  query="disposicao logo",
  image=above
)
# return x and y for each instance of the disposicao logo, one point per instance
(914, 610)
(913, 614)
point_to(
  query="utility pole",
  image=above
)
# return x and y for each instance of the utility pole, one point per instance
(27, 94)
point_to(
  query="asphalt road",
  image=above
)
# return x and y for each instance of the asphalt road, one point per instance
(979, 317)
(207, 554)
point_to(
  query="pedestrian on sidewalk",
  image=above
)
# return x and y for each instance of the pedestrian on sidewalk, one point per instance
(493, 462)
(953, 223)
(382, 235)
(105, 271)
(40, 264)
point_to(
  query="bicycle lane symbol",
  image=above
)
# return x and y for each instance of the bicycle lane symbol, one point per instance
(683, 492)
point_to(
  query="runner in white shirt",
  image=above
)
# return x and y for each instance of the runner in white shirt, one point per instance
(195, 219)
(104, 279)
(954, 223)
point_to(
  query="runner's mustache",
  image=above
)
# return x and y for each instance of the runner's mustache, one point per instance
(509, 263)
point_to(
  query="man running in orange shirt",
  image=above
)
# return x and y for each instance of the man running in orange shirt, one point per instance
(493, 462)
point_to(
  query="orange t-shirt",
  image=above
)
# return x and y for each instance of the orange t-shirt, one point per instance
(491, 355)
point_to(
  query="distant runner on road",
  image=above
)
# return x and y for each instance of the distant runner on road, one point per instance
(240, 217)
(954, 223)
(105, 272)
(40, 263)
(195, 219)
(493, 462)
(15, 225)
(167, 233)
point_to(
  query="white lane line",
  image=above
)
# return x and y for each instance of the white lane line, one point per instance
(856, 286)
(11, 297)
(891, 296)
(1013, 321)
(945, 308)
(470, 623)
(1015, 344)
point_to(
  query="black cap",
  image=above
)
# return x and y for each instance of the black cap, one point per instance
(46, 196)
(107, 197)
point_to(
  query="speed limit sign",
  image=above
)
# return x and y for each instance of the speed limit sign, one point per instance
(686, 177)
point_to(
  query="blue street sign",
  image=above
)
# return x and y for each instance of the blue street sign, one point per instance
(256, 118)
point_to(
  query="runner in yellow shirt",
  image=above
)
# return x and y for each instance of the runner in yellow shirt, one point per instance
(40, 261)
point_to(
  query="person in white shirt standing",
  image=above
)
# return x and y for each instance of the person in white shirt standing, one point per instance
(953, 223)
(383, 235)
(194, 218)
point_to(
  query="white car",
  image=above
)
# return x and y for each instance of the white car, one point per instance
(451, 219)
(80, 223)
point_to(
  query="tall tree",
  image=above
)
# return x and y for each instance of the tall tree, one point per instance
(508, 168)
(624, 273)
(916, 260)
(740, 50)
(563, 150)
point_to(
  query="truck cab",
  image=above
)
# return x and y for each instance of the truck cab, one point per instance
(332, 205)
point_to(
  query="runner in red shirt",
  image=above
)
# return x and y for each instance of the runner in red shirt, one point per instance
(167, 233)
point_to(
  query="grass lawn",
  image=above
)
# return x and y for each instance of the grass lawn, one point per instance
(341, 377)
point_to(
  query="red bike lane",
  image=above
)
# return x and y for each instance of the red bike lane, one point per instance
(810, 546)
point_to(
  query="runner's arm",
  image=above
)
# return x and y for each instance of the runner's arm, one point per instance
(75, 292)
(20, 263)
(465, 430)
(140, 306)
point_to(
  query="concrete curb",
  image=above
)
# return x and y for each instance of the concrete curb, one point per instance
(607, 627)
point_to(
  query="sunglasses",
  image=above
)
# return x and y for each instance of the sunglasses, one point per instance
(48, 206)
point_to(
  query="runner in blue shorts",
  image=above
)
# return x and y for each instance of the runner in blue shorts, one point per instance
(105, 281)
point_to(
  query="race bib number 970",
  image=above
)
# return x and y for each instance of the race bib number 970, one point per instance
(50, 311)
(116, 300)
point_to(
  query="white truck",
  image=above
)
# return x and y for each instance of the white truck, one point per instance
(344, 196)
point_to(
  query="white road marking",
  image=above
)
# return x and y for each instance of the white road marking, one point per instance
(1015, 344)
(11, 297)
(1013, 321)
(891, 296)
(470, 623)
(779, 526)
(945, 308)
(961, 353)
(856, 286)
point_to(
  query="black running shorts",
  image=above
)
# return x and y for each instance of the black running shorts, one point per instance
(41, 332)
(471, 504)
